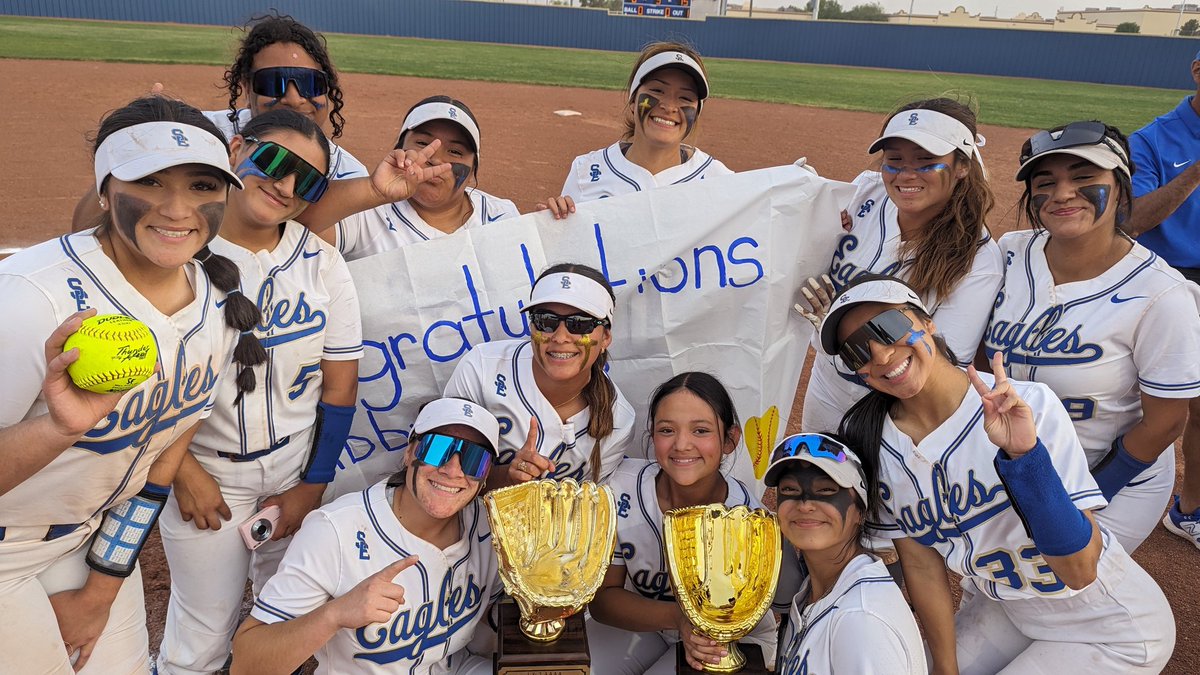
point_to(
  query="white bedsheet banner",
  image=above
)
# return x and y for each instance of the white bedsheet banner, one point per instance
(705, 275)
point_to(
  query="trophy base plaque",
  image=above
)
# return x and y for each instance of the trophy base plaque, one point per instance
(754, 661)
(518, 655)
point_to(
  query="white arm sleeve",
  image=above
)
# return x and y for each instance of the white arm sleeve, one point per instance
(307, 576)
(963, 316)
(343, 335)
(29, 318)
(1166, 347)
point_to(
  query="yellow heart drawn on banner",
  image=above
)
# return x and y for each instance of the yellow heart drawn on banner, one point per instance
(760, 439)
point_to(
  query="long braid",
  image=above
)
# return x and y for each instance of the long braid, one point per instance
(240, 313)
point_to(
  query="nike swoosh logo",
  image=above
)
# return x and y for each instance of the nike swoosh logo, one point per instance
(1183, 163)
(1116, 299)
(338, 176)
(484, 537)
(492, 220)
(314, 254)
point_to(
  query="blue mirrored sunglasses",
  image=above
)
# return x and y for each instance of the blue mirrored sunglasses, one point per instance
(813, 445)
(437, 449)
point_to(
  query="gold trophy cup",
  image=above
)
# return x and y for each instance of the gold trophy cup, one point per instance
(554, 540)
(724, 565)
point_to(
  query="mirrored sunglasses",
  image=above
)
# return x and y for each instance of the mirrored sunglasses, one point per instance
(437, 449)
(277, 162)
(545, 321)
(273, 82)
(811, 445)
(1073, 135)
(886, 328)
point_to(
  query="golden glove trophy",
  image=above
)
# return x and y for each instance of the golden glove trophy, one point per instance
(724, 565)
(554, 540)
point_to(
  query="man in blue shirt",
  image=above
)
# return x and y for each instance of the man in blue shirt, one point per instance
(1166, 220)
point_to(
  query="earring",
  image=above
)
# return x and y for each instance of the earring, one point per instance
(102, 202)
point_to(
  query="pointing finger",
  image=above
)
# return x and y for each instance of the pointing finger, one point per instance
(392, 571)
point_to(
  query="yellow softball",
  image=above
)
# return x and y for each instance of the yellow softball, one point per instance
(116, 353)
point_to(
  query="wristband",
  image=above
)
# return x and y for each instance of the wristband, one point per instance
(330, 432)
(1056, 526)
(1117, 468)
(123, 532)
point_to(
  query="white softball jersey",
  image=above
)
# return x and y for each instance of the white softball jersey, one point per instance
(862, 626)
(642, 552)
(499, 376)
(392, 226)
(341, 163)
(446, 594)
(1100, 343)
(945, 493)
(309, 313)
(607, 173)
(873, 245)
(39, 288)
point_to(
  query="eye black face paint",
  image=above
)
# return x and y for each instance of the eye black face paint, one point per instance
(127, 212)
(1038, 201)
(690, 113)
(1098, 196)
(807, 478)
(645, 103)
(461, 173)
(213, 213)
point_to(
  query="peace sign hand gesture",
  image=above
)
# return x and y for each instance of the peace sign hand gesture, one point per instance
(1007, 418)
(401, 171)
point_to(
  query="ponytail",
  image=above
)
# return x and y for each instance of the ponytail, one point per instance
(600, 396)
(240, 313)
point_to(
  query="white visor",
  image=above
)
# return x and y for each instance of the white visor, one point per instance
(884, 291)
(675, 60)
(437, 110)
(1101, 154)
(446, 411)
(573, 290)
(938, 133)
(142, 149)
(848, 474)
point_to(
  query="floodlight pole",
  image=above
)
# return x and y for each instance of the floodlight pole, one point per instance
(816, 9)
(1180, 17)
(910, 10)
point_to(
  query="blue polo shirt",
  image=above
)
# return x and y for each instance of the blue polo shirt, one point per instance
(1162, 150)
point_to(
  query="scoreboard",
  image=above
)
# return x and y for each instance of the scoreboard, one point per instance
(671, 9)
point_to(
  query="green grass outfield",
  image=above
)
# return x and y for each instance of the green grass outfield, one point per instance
(1002, 100)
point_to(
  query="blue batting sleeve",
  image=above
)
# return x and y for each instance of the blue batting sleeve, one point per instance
(329, 436)
(1052, 520)
(1117, 468)
(123, 532)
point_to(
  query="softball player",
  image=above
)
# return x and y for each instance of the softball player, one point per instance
(636, 621)
(849, 616)
(552, 389)
(280, 444)
(921, 219)
(1101, 320)
(986, 476)
(666, 92)
(162, 171)
(395, 578)
(281, 64)
(437, 208)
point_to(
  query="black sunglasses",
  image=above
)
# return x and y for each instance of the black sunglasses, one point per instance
(277, 162)
(886, 328)
(546, 321)
(273, 82)
(1073, 135)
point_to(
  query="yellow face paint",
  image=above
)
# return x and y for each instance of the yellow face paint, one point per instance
(539, 338)
(586, 342)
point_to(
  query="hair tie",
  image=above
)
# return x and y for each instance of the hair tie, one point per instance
(234, 291)
(207, 253)
(248, 332)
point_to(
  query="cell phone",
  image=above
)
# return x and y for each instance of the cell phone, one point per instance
(257, 530)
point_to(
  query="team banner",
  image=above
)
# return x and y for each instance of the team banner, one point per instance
(705, 274)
